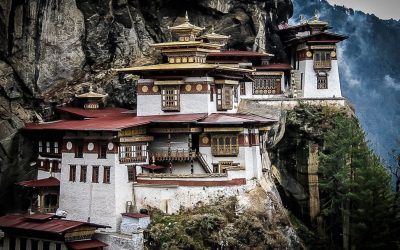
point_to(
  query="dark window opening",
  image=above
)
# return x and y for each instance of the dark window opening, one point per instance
(95, 174)
(72, 173)
(106, 175)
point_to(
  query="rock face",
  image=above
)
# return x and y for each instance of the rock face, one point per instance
(50, 49)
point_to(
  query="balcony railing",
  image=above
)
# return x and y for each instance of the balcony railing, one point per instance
(322, 64)
(172, 155)
(225, 150)
(44, 210)
(133, 159)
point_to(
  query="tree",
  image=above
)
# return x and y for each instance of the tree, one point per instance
(355, 188)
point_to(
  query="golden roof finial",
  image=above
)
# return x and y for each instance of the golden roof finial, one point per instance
(91, 88)
(212, 29)
(186, 17)
(316, 15)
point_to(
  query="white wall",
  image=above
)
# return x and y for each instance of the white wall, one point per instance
(86, 199)
(189, 104)
(172, 199)
(310, 81)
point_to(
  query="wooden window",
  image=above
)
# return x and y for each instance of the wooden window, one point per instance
(50, 200)
(72, 173)
(211, 93)
(106, 174)
(322, 59)
(102, 150)
(46, 165)
(242, 88)
(56, 166)
(133, 153)
(267, 85)
(83, 173)
(224, 144)
(55, 147)
(131, 173)
(40, 146)
(170, 99)
(322, 82)
(224, 98)
(79, 150)
(48, 148)
(95, 174)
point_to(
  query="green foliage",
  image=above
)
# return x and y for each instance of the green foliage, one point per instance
(354, 184)
(217, 226)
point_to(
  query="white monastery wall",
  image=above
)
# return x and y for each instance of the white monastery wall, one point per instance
(310, 81)
(130, 225)
(184, 168)
(189, 104)
(248, 157)
(123, 190)
(170, 199)
(82, 200)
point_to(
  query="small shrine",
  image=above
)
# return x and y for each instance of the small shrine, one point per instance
(91, 98)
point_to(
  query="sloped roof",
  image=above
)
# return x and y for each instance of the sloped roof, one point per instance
(274, 66)
(87, 244)
(112, 123)
(92, 113)
(239, 53)
(49, 225)
(47, 182)
(237, 118)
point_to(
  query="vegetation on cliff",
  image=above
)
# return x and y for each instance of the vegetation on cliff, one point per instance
(225, 225)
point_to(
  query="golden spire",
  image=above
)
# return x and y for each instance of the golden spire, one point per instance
(186, 17)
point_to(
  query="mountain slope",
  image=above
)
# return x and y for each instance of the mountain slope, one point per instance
(369, 69)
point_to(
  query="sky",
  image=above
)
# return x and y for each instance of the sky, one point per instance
(384, 9)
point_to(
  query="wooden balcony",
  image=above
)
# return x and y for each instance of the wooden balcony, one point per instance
(44, 210)
(322, 64)
(225, 150)
(173, 155)
(133, 159)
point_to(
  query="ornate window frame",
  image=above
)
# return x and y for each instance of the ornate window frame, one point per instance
(225, 144)
(170, 98)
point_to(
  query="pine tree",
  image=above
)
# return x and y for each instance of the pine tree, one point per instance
(355, 189)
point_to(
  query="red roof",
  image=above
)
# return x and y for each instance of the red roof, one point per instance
(48, 182)
(49, 225)
(135, 215)
(152, 166)
(238, 53)
(237, 118)
(39, 216)
(321, 36)
(274, 66)
(113, 123)
(92, 113)
(87, 244)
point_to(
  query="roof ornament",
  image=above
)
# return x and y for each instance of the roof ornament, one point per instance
(302, 19)
(186, 17)
(316, 15)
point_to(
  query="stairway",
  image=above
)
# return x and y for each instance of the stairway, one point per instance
(203, 163)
